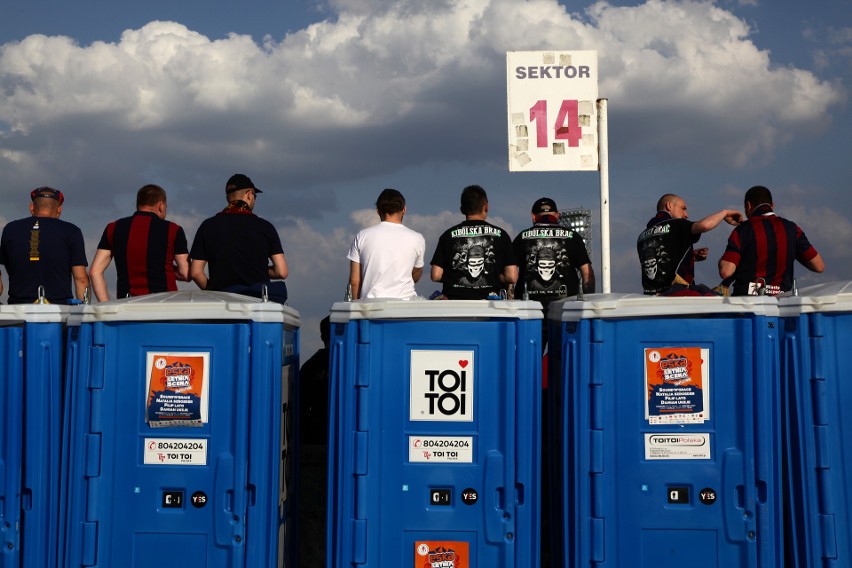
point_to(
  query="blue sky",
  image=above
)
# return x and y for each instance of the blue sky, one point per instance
(324, 104)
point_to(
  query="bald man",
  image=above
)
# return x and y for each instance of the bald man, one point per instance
(666, 249)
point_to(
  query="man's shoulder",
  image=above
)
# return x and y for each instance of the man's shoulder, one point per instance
(11, 225)
(58, 224)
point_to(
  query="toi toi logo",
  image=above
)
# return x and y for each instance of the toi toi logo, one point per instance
(442, 385)
(447, 392)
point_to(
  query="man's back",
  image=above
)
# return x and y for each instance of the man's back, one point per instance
(764, 249)
(387, 253)
(144, 247)
(237, 246)
(40, 251)
(549, 256)
(472, 256)
(666, 253)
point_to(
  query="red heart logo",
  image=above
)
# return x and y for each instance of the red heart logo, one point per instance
(463, 363)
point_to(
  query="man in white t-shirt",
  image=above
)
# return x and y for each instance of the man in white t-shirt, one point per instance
(386, 259)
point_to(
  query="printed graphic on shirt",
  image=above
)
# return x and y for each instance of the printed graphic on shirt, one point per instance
(34, 254)
(474, 258)
(658, 265)
(547, 268)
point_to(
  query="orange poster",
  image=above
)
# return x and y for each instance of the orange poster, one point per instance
(177, 389)
(677, 383)
(441, 554)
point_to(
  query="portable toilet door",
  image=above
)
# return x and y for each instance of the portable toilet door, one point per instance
(434, 434)
(817, 325)
(11, 439)
(669, 445)
(174, 454)
(31, 339)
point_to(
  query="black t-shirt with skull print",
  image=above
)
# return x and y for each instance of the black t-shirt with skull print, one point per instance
(665, 250)
(472, 255)
(549, 256)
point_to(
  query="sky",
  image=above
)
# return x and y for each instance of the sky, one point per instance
(324, 103)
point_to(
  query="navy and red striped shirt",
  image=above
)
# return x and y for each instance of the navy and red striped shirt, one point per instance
(144, 248)
(763, 249)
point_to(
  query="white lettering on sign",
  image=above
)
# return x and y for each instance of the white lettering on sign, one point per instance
(441, 386)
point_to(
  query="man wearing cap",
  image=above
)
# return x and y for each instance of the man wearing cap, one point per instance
(151, 254)
(42, 251)
(665, 247)
(239, 246)
(386, 260)
(474, 258)
(552, 258)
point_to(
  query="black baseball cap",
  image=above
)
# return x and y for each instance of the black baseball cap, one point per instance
(239, 181)
(47, 192)
(545, 205)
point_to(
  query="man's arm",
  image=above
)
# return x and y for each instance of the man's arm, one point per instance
(102, 259)
(588, 275)
(196, 272)
(437, 273)
(81, 281)
(710, 222)
(355, 279)
(278, 270)
(815, 264)
(416, 273)
(181, 267)
(726, 269)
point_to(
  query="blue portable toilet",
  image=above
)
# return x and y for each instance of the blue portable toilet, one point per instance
(816, 355)
(666, 437)
(31, 357)
(176, 446)
(434, 434)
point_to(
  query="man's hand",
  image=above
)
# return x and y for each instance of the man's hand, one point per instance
(701, 254)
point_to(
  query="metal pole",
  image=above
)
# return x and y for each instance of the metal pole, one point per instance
(603, 165)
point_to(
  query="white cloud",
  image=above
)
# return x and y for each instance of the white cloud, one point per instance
(390, 81)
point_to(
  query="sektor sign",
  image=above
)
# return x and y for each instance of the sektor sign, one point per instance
(552, 98)
(441, 386)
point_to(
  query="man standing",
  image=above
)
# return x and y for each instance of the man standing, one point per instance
(44, 251)
(150, 253)
(665, 246)
(550, 257)
(760, 252)
(239, 246)
(474, 258)
(386, 260)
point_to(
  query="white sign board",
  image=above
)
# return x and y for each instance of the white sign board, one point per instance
(440, 449)
(175, 451)
(552, 97)
(441, 386)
